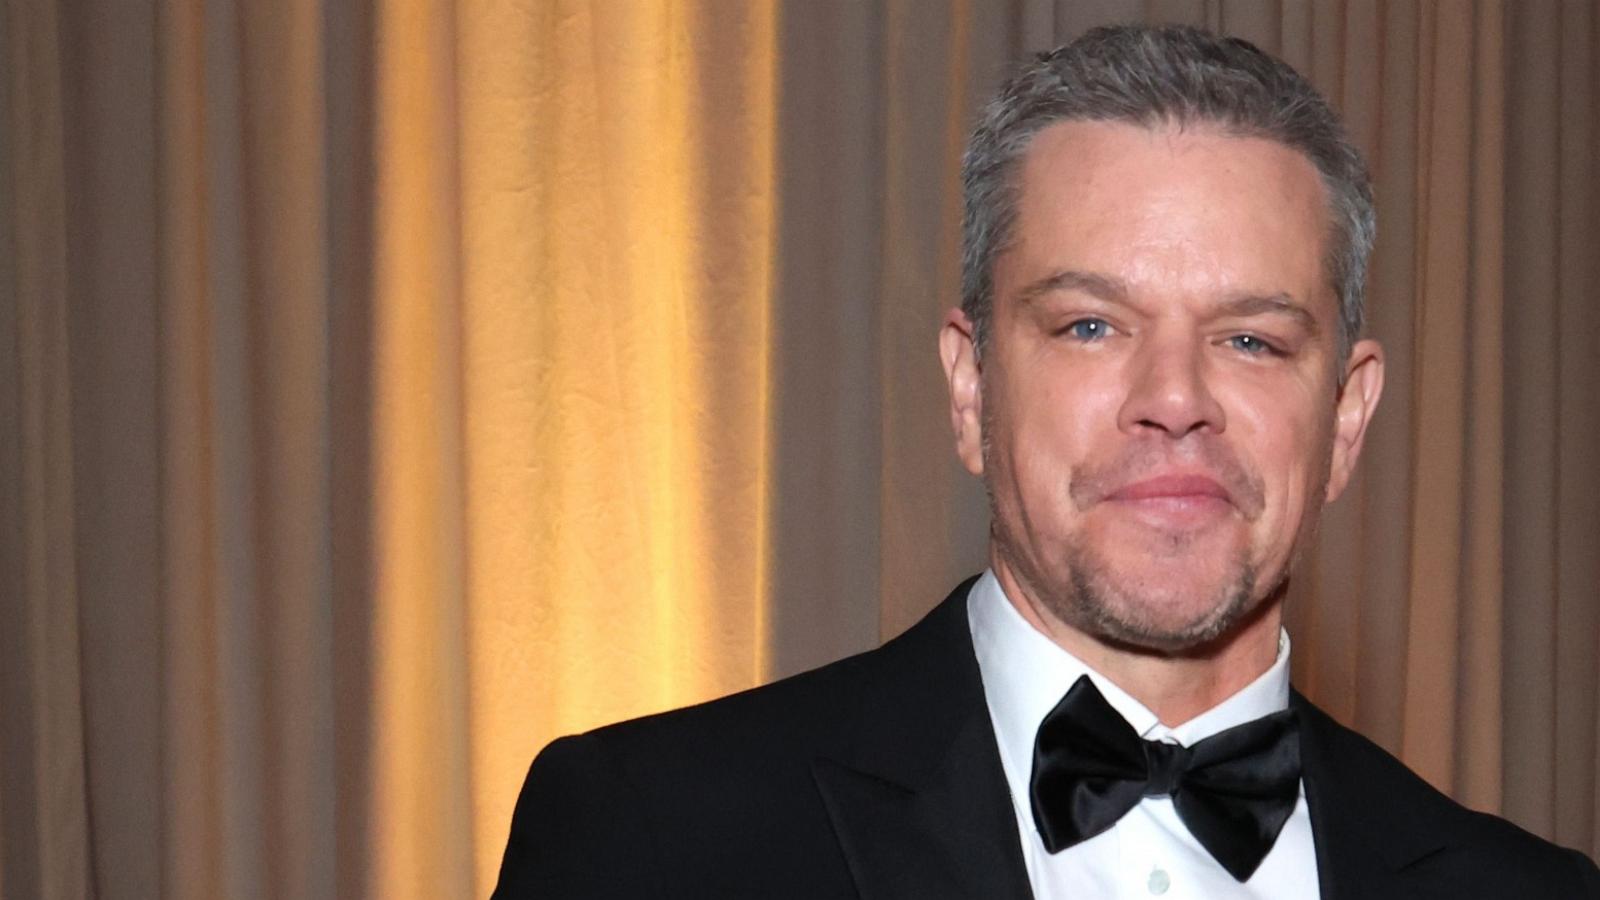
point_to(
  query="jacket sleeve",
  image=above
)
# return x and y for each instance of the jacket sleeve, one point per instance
(577, 830)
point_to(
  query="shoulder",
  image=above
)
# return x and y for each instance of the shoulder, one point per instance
(723, 790)
(815, 712)
(1364, 796)
(694, 796)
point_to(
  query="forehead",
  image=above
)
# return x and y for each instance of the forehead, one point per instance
(1166, 209)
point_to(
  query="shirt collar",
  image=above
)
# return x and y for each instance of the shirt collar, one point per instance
(1025, 675)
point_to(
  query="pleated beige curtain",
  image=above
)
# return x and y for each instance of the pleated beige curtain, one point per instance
(386, 388)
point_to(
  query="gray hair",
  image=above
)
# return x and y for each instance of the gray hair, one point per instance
(1150, 76)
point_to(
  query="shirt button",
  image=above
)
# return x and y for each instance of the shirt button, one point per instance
(1159, 881)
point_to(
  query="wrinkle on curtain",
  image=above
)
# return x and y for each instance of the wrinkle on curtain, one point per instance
(617, 216)
(386, 389)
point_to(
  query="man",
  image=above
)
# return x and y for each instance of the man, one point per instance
(1156, 370)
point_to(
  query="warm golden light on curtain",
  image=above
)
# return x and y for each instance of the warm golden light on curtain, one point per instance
(570, 393)
(616, 167)
(389, 387)
(421, 775)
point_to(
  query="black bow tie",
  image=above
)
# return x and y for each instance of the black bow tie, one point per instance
(1233, 790)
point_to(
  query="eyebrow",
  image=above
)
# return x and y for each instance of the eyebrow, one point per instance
(1112, 290)
(1098, 286)
(1270, 304)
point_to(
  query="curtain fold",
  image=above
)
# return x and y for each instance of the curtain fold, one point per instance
(1552, 280)
(45, 844)
(1456, 309)
(617, 215)
(387, 388)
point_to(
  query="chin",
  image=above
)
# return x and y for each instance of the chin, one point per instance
(1147, 611)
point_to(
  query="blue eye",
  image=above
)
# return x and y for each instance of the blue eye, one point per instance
(1250, 344)
(1089, 329)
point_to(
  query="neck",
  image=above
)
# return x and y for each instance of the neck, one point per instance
(1176, 686)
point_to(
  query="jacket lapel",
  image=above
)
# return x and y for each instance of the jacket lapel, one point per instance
(917, 797)
(1373, 831)
(920, 806)
(951, 835)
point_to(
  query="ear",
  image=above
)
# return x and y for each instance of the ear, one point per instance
(1358, 399)
(963, 375)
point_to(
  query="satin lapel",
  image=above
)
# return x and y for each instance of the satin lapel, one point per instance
(1366, 830)
(952, 836)
(917, 797)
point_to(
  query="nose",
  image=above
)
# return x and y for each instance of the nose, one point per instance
(1168, 390)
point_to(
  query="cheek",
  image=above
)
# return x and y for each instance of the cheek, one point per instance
(1290, 453)
(1058, 420)
(1041, 429)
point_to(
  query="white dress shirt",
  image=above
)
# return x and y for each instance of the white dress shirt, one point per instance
(1149, 852)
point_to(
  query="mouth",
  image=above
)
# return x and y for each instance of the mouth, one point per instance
(1175, 502)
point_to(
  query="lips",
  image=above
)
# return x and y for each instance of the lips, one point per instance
(1174, 503)
(1172, 487)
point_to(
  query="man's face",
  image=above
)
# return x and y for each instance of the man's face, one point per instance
(1157, 412)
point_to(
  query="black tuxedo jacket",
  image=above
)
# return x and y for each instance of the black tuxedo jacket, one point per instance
(878, 776)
